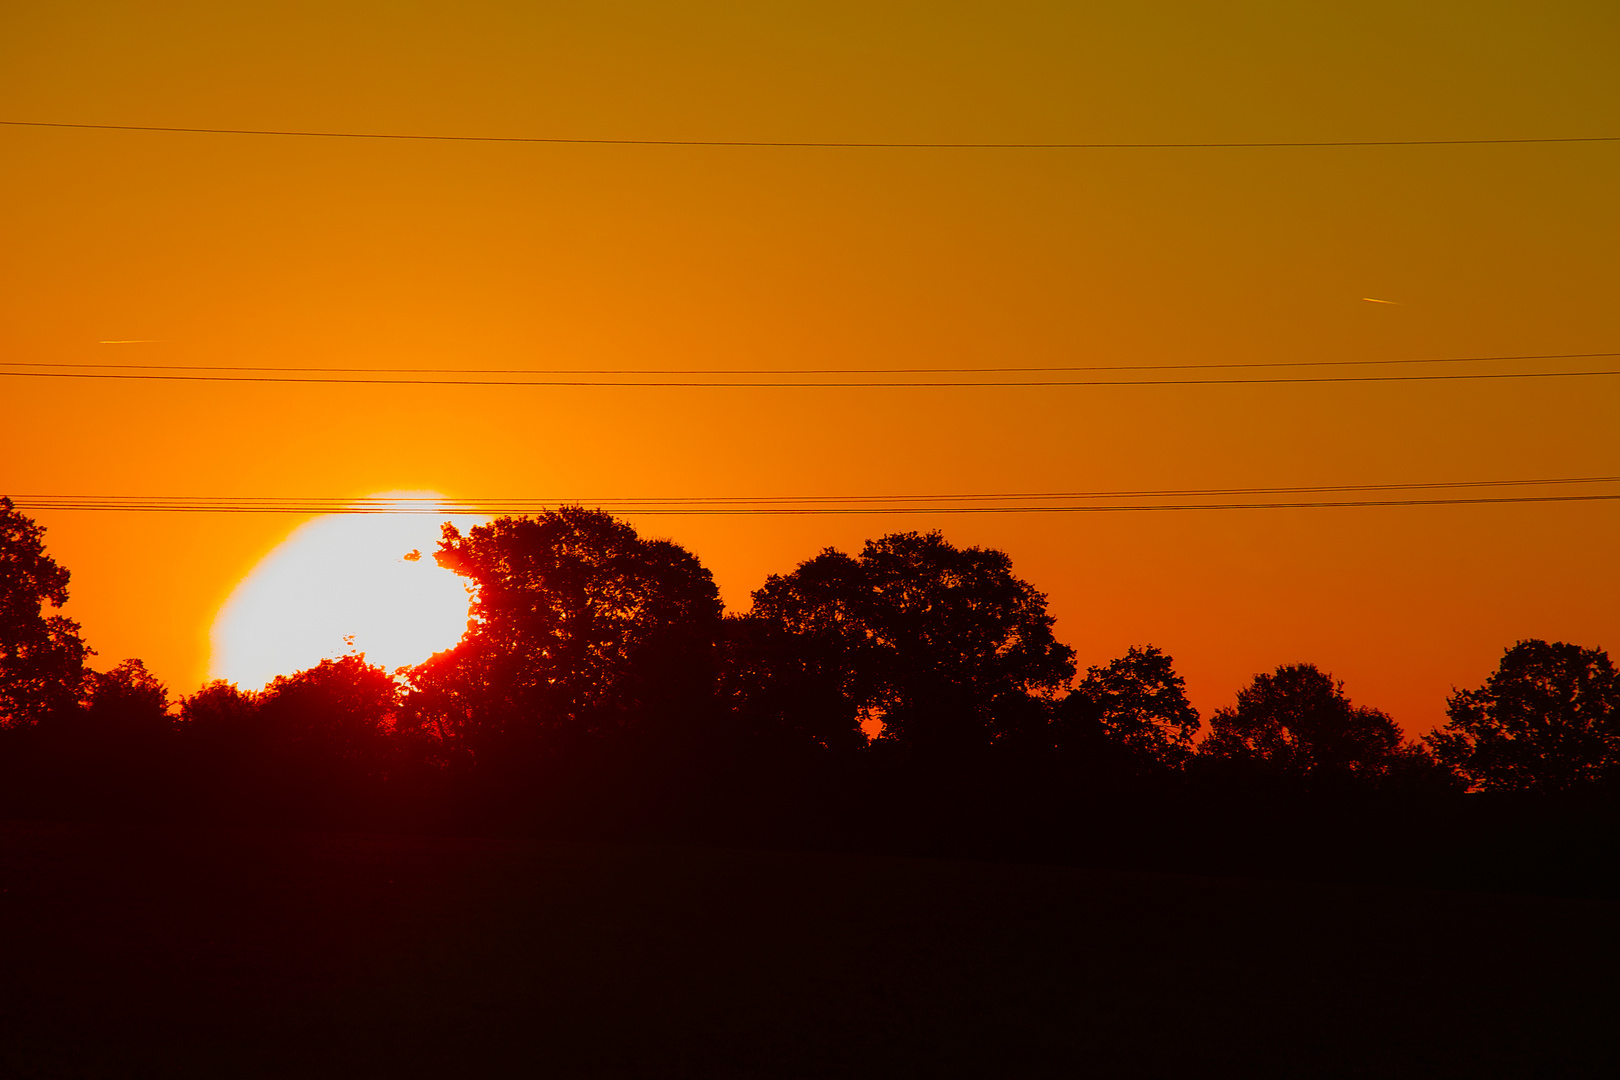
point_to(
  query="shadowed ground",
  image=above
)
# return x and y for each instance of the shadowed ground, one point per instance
(163, 952)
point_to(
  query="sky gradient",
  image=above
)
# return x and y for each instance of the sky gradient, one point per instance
(218, 249)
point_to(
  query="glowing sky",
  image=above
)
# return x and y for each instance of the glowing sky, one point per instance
(239, 250)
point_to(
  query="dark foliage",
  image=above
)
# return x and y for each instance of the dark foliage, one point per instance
(581, 631)
(1298, 724)
(943, 645)
(1548, 719)
(343, 710)
(323, 745)
(127, 699)
(791, 689)
(599, 692)
(1132, 711)
(41, 656)
(219, 708)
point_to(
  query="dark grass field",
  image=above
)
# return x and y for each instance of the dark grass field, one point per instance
(142, 952)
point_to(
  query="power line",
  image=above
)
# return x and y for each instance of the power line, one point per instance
(971, 503)
(889, 510)
(1251, 365)
(436, 501)
(816, 144)
(802, 385)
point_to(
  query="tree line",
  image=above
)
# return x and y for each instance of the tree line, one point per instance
(912, 690)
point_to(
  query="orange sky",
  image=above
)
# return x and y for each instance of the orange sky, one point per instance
(240, 250)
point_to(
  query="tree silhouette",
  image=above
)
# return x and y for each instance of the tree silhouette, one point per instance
(1298, 722)
(1136, 702)
(339, 710)
(1548, 719)
(580, 629)
(945, 645)
(802, 663)
(222, 729)
(126, 699)
(41, 656)
(219, 706)
(791, 690)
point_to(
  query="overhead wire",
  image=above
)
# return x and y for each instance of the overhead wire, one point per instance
(886, 510)
(819, 504)
(1007, 368)
(957, 503)
(812, 144)
(435, 500)
(807, 385)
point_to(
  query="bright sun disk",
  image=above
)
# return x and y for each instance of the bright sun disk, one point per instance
(338, 579)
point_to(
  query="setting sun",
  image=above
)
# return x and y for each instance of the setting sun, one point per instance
(365, 582)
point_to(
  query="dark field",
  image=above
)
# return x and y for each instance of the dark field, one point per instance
(150, 952)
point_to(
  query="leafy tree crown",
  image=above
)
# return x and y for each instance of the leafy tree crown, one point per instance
(1547, 719)
(41, 656)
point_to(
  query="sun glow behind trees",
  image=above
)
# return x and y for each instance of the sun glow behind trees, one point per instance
(341, 583)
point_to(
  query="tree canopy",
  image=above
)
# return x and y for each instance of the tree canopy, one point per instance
(1136, 702)
(944, 644)
(600, 691)
(41, 656)
(580, 628)
(219, 706)
(344, 708)
(128, 698)
(1548, 719)
(1298, 722)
